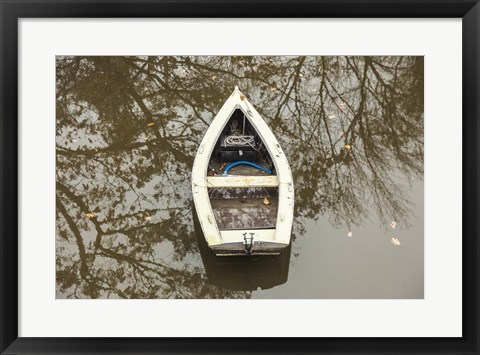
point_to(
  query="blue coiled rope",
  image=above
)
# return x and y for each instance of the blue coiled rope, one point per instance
(243, 162)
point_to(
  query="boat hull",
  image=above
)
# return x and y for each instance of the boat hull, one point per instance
(258, 248)
(247, 209)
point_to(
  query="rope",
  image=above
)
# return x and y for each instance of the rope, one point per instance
(237, 139)
(240, 140)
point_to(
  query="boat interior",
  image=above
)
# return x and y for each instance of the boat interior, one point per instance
(243, 184)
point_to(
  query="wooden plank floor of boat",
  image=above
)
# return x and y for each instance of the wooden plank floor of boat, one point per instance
(244, 214)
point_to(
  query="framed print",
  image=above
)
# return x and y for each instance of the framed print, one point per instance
(257, 176)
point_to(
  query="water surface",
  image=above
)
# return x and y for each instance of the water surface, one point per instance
(127, 133)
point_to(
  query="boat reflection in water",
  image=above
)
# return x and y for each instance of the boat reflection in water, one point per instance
(242, 273)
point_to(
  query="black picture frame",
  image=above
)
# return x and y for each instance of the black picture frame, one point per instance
(12, 11)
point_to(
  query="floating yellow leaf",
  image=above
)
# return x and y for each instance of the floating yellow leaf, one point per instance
(147, 218)
(150, 124)
(273, 88)
(266, 201)
(331, 117)
(393, 224)
(395, 241)
(214, 77)
(90, 215)
(348, 146)
(349, 234)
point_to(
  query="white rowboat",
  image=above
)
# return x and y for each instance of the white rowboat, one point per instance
(242, 184)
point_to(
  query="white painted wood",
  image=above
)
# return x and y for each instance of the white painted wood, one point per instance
(200, 182)
(259, 235)
(242, 181)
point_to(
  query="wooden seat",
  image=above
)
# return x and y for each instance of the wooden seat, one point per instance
(242, 181)
(260, 235)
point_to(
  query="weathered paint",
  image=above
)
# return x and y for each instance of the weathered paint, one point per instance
(242, 181)
(200, 183)
(259, 235)
(260, 248)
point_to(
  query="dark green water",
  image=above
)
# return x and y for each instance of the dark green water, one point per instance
(127, 130)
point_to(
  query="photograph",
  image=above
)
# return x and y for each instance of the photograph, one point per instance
(239, 177)
(313, 166)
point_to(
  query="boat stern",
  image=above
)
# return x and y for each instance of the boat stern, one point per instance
(249, 242)
(238, 248)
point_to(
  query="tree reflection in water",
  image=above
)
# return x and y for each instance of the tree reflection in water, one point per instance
(128, 129)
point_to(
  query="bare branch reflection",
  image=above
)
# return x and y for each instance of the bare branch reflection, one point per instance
(128, 129)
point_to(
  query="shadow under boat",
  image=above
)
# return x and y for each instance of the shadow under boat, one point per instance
(242, 273)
